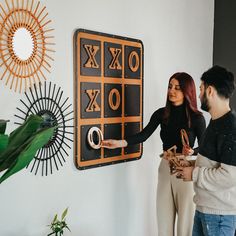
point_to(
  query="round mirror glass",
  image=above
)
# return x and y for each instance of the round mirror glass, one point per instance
(23, 43)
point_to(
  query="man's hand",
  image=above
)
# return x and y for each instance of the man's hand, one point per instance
(184, 173)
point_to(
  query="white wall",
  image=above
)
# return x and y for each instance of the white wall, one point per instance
(114, 200)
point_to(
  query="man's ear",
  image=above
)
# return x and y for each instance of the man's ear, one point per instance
(210, 91)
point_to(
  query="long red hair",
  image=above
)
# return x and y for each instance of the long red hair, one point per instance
(188, 88)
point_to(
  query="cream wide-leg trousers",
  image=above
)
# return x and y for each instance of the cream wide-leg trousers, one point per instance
(174, 198)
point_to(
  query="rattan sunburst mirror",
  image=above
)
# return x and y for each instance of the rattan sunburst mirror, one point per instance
(26, 43)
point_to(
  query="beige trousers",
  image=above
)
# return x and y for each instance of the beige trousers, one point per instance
(174, 198)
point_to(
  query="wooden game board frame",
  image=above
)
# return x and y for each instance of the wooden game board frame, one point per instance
(78, 78)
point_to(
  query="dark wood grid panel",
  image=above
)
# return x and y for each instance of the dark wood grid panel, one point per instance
(103, 121)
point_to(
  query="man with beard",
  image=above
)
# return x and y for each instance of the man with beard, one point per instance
(214, 173)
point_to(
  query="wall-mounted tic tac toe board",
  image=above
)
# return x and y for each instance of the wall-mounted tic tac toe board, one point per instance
(108, 85)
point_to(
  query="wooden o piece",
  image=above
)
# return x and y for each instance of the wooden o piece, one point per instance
(90, 137)
(132, 67)
(111, 104)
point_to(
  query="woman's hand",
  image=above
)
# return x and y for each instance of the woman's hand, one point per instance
(187, 151)
(113, 143)
(165, 155)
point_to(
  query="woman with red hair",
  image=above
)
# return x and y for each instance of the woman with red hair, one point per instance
(174, 197)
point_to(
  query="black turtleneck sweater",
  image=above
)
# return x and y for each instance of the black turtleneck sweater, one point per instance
(170, 132)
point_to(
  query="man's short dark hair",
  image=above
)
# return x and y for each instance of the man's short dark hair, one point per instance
(221, 79)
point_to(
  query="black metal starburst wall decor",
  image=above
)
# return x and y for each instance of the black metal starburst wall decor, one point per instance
(48, 101)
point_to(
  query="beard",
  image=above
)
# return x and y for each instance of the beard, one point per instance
(205, 103)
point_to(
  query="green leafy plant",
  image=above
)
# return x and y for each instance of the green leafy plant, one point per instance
(19, 148)
(57, 226)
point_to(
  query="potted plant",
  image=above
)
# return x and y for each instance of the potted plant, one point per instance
(58, 226)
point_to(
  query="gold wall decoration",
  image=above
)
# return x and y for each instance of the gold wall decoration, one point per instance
(24, 63)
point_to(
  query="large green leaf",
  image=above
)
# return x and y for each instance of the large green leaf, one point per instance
(29, 127)
(17, 139)
(28, 151)
(11, 157)
(3, 142)
(3, 125)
